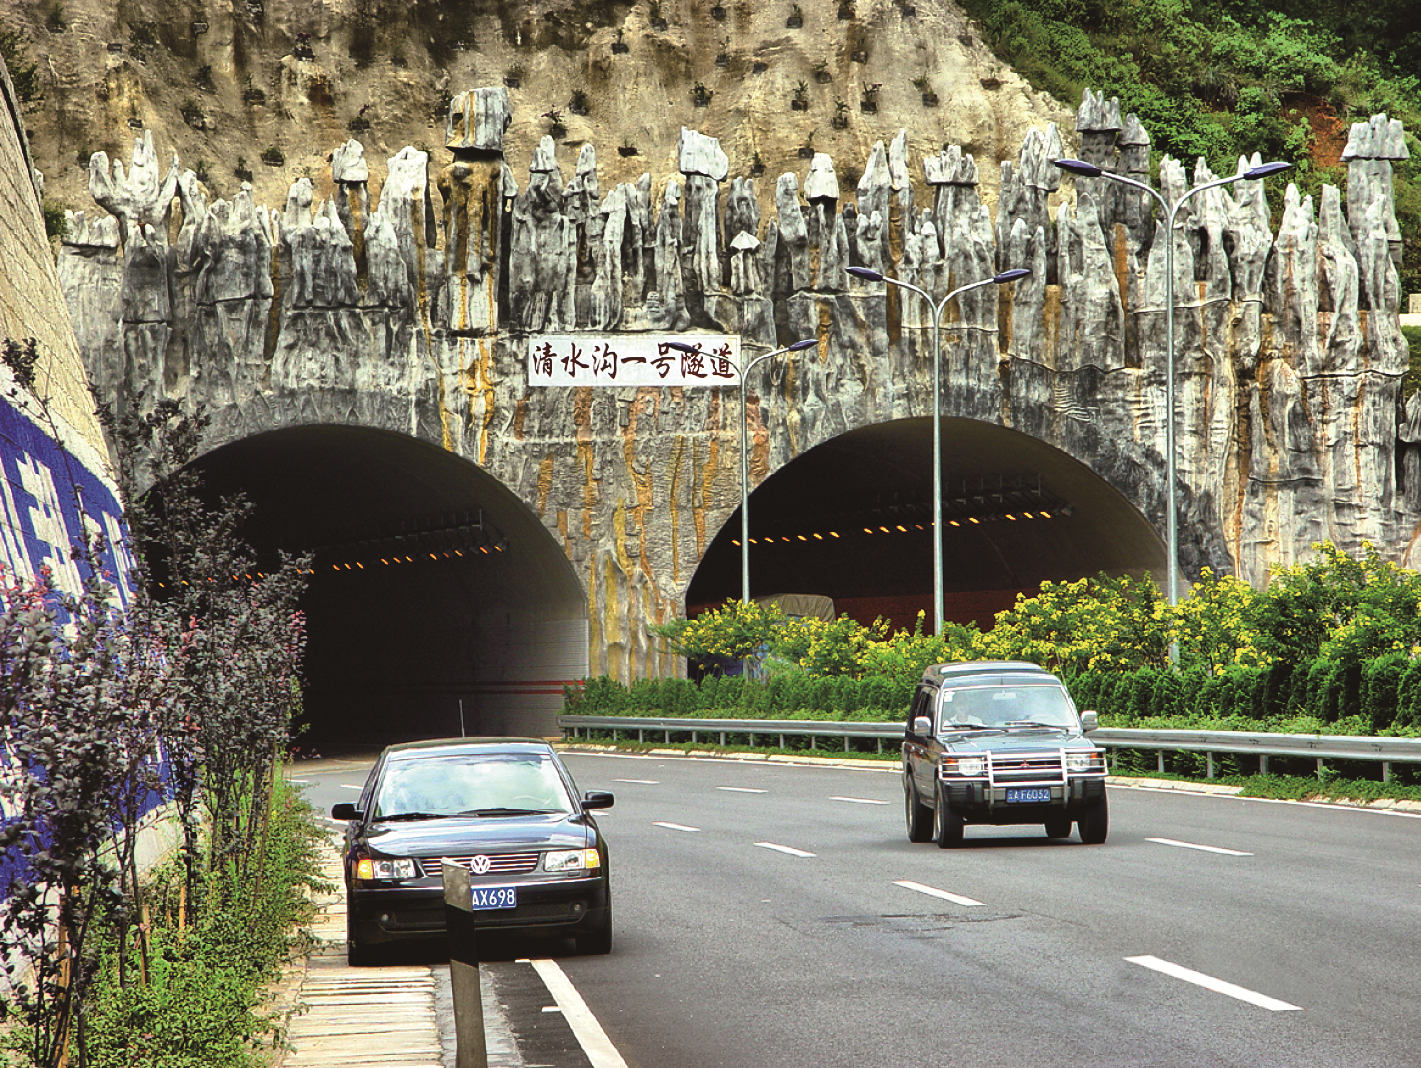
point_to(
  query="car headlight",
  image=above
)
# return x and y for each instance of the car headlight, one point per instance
(572, 860)
(372, 868)
(964, 765)
(1085, 761)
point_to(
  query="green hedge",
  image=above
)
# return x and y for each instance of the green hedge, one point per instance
(1374, 697)
(789, 695)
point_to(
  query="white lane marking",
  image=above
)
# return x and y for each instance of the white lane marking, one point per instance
(790, 850)
(1219, 986)
(641, 782)
(590, 1036)
(551, 1008)
(741, 790)
(932, 891)
(299, 782)
(860, 800)
(1204, 848)
(674, 826)
(351, 786)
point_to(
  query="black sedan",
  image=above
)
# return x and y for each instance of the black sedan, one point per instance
(506, 807)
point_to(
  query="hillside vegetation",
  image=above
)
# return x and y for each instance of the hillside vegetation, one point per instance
(1220, 78)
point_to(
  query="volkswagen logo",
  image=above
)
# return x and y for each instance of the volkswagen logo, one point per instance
(480, 865)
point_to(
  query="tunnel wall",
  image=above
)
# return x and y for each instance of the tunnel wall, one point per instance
(416, 319)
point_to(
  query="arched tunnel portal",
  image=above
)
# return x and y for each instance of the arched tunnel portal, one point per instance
(851, 520)
(440, 604)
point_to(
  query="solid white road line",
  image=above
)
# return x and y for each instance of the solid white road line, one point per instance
(641, 782)
(741, 790)
(1208, 982)
(932, 891)
(790, 850)
(590, 1036)
(860, 800)
(674, 826)
(1204, 848)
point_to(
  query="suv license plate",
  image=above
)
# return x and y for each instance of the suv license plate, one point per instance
(1028, 794)
(495, 897)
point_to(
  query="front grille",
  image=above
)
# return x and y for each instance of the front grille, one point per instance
(1027, 767)
(499, 864)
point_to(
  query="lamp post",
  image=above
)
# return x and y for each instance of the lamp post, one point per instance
(1090, 170)
(874, 276)
(798, 346)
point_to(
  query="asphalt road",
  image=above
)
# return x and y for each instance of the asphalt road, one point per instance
(730, 951)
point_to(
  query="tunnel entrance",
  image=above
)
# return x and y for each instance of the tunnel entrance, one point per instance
(851, 520)
(440, 605)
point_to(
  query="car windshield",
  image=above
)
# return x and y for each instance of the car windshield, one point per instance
(1005, 706)
(471, 785)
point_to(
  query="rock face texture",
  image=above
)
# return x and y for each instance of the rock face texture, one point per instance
(416, 318)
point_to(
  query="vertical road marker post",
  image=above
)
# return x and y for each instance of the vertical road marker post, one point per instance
(471, 1048)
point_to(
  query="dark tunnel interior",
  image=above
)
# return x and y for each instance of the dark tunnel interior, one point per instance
(440, 605)
(852, 520)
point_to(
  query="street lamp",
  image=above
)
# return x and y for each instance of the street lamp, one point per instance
(874, 276)
(1090, 170)
(798, 346)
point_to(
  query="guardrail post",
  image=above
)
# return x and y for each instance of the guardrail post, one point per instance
(1386, 771)
(1263, 764)
(471, 1050)
(1208, 765)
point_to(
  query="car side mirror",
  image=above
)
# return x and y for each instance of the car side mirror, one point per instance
(1089, 722)
(597, 799)
(346, 811)
(922, 725)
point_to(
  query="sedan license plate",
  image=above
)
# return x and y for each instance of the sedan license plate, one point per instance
(1028, 794)
(494, 897)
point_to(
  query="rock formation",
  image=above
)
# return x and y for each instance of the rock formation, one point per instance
(1288, 352)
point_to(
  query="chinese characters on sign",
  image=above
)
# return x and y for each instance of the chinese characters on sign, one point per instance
(635, 360)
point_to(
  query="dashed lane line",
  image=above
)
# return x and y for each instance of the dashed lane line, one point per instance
(1201, 848)
(787, 850)
(1208, 982)
(675, 826)
(641, 782)
(860, 800)
(933, 891)
(741, 790)
(590, 1036)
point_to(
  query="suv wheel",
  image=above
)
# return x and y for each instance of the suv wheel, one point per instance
(1058, 827)
(919, 816)
(947, 825)
(1094, 823)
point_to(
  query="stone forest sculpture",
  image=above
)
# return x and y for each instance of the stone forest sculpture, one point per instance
(417, 319)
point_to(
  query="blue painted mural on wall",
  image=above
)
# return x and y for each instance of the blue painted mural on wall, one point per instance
(49, 502)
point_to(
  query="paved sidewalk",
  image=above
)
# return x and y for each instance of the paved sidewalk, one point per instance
(383, 1017)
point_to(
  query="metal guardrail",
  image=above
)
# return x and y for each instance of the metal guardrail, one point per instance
(1319, 747)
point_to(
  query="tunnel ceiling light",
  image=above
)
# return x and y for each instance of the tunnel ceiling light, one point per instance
(735, 542)
(953, 523)
(1011, 517)
(974, 520)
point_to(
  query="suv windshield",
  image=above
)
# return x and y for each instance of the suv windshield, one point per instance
(1005, 706)
(471, 785)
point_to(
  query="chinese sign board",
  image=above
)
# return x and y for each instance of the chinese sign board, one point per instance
(633, 360)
